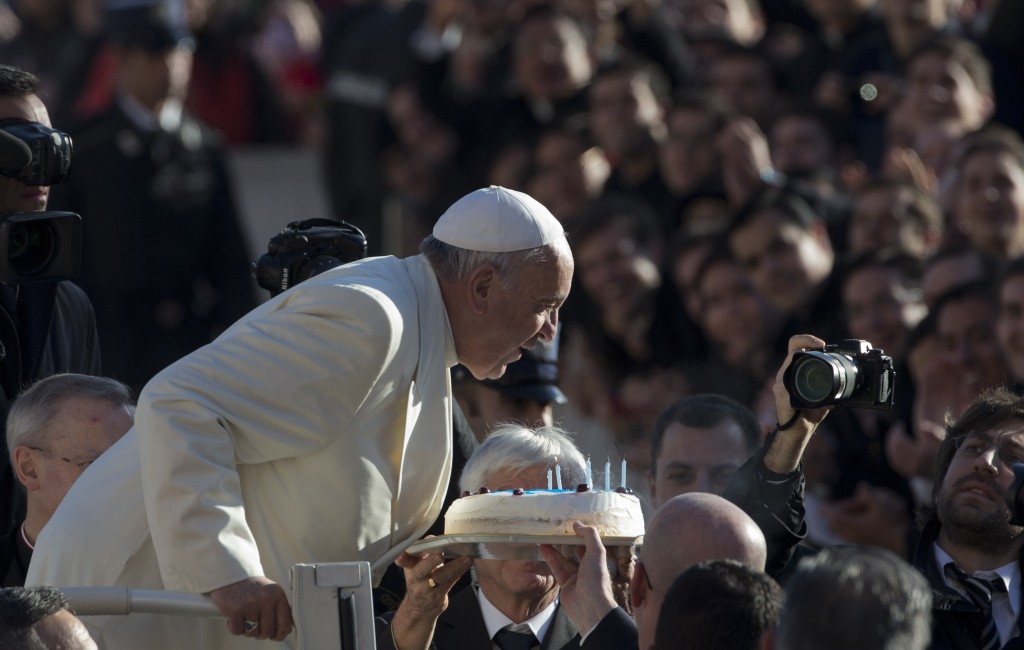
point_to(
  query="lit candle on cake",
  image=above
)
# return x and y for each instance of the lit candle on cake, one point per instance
(608, 475)
(558, 476)
(623, 472)
(589, 478)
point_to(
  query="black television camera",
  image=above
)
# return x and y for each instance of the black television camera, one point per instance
(850, 372)
(304, 249)
(37, 246)
(49, 150)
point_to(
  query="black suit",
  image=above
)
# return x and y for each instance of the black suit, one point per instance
(461, 627)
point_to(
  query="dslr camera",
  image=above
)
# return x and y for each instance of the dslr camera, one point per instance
(851, 373)
(304, 249)
(37, 246)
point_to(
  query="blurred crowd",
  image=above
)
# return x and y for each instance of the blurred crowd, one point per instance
(730, 172)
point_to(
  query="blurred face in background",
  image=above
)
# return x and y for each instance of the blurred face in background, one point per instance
(624, 113)
(800, 145)
(967, 336)
(616, 272)
(990, 203)
(736, 317)
(152, 78)
(880, 309)
(786, 261)
(550, 59)
(1010, 323)
(567, 173)
(688, 155)
(938, 88)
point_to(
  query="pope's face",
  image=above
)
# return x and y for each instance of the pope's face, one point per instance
(515, 317)
(15, 195)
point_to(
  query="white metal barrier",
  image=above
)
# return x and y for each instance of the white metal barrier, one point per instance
(332, 604)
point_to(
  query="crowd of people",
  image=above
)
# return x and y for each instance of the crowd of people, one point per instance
(721, 183)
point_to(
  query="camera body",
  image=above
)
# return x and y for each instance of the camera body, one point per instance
(51, 153)
(851, 373)
(304, 249)
(39, 247)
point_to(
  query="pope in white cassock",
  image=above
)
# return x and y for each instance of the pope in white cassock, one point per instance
(315, 429)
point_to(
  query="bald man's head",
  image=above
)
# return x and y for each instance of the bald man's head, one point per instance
(684, 531)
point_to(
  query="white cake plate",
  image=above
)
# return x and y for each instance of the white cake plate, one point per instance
(514, 547)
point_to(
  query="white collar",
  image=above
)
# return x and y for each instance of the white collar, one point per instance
(168, 119)
(494, 620)
(1009, 573)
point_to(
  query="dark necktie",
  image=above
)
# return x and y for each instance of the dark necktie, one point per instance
(979, 590)
(509, 640)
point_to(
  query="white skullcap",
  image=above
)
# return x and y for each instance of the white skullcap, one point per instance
(497, 220)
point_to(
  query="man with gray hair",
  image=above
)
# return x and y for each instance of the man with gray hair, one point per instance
(854, 597)
(56, 429)
(317, 428)
(510, 597)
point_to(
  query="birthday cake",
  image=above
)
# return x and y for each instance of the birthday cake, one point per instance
(544, 512)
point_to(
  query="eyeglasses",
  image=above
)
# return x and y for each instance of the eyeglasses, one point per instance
(647, 574)
(80, 464)
(976, 445)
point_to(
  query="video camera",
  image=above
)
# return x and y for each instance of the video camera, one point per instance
(37, 246)
(851, 373)
(304, 249)
(48, 160)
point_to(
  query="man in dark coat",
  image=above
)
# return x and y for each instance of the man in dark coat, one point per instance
(971, 543)
(165, 260)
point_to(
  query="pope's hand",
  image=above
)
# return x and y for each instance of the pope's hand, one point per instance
(255, 607)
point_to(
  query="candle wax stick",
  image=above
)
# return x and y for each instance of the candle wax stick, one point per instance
(549, 478)
(623, 472)
(589, 479)
(608, 476)
(558, 476)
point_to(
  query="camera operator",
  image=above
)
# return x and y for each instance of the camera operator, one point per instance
(45, 327)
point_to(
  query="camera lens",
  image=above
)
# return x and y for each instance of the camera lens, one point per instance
(814, 380)
(31, 247)
(821, 378)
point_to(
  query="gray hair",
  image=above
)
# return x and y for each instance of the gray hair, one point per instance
(518, 447)
(453, 264)
(853, 597)
(30, 420)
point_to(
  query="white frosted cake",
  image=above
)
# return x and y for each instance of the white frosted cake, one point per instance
(544, 512)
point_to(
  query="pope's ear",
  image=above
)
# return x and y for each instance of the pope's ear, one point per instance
(481, 282)
(26, 467)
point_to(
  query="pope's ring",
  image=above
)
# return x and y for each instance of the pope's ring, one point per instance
(250, 626)
(430, 581)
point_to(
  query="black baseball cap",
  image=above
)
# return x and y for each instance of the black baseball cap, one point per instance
(152, 25)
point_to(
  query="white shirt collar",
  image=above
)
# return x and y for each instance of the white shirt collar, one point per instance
(145, 120)
(1006, 618)
(495, 620)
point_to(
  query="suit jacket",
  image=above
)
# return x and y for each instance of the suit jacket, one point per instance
(461, 627)
(952, 614)
(316, 429)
